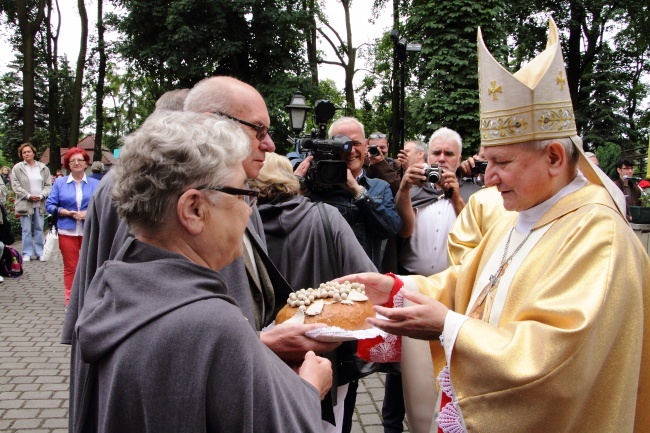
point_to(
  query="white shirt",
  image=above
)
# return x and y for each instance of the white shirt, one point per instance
(78, 231)
(426, 251)
(35, 179)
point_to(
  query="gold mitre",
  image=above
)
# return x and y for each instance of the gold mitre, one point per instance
(533, 104)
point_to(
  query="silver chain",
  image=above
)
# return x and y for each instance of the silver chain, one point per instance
(503, 259)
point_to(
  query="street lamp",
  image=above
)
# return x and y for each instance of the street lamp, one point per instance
(401, 48)
(297, 109)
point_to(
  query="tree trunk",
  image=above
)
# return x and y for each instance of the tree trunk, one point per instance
(573, 60)
(78, 80)
(28, 31)
(352, 55)
(99, 109)
(312, 52)
(53, 87)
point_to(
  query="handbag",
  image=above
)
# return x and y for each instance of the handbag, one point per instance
(51, 246)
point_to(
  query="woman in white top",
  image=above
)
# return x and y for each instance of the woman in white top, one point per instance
(30, 180)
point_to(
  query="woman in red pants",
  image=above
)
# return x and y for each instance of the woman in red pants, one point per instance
(68, 200)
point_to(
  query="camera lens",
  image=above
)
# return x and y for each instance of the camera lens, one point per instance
(432, 174)
(373, 150)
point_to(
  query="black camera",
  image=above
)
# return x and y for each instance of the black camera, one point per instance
(479, 167)
(327, 168)
(433, 173)
(373, 150)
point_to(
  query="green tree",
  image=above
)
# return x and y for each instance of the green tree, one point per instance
(28, 16)
(79, 75)
(606, 51)
(175, 43)
(445, 92)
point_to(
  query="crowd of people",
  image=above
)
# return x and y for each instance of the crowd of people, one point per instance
(517, 288)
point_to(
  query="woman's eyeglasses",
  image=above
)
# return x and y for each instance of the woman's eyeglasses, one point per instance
(251, 194)
(262, 131)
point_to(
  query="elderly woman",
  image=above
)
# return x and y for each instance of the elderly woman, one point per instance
(169, 349)
(31, 182)
(68, 201)
(306, 254)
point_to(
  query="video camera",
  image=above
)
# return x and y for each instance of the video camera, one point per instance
(327, 168)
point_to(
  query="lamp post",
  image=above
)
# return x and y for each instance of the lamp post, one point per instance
(402, 47)
(297, 109)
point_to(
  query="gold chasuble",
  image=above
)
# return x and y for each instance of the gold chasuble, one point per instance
(483, 209)
(569, 353)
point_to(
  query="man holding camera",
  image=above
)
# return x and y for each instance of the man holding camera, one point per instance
(429, 208)
(380, 166)
(367, 204)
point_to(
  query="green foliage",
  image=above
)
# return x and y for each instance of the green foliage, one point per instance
(608, 154)
(644, 200)
(14, 220)
(446, 88)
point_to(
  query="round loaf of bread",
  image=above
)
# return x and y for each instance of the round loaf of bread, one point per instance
(350, 317)
(343, 305)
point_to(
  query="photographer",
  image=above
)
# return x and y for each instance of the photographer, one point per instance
(474, 167)
(378, 165)
(366, 204)
(429, 200)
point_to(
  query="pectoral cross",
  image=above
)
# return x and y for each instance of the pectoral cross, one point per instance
(477, 311)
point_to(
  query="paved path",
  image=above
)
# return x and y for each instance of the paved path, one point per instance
(34, 367)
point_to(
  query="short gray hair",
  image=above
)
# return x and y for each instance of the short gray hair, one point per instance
(97, 167)
(447, 134)
(538, 145)
(172, 100)
(171, 152)
(420, 146)
(343, 120)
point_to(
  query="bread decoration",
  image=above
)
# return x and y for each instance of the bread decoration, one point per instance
(343, 305)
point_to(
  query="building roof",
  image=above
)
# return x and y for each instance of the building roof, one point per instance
(88, 144)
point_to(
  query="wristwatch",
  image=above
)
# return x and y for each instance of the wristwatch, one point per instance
(361, 194)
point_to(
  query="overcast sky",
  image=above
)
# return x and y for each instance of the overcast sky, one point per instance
(362, 32)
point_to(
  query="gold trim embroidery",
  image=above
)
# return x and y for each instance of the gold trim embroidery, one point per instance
(496, 128)
(556, 120)
(494, 90)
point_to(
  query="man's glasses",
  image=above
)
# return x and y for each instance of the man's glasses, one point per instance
(262, 131)
(252, 194)
(377, 135)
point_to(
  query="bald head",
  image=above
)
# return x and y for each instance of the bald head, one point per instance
(234, 98)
